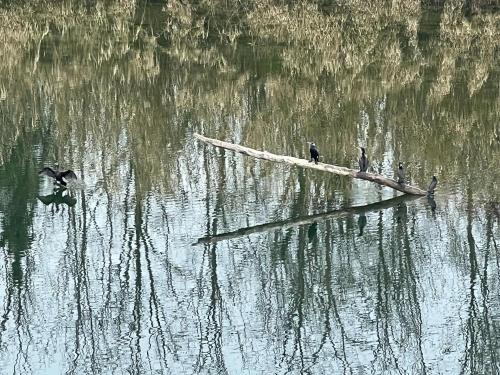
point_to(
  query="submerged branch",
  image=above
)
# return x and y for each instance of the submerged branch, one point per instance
(304, 220)
(378, 179)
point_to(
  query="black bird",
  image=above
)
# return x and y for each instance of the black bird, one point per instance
(314, 152)
(58, 175)
(363, 161)
(401, 174)
(432, 185)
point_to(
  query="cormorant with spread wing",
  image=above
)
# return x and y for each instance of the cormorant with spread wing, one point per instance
(59, 176)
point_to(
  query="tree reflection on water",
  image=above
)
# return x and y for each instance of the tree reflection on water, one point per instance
(293, 270)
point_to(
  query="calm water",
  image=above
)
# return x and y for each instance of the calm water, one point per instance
(170, 256)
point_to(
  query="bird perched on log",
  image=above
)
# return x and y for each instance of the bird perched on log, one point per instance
(432, 186)
(363, 161)
(59, 176)
(313, 150)
(401, 174)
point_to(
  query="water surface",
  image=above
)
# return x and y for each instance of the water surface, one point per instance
(169, 256)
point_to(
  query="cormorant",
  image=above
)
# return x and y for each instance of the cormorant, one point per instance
(58, 175)
(432, 185)
(363, 161)
(401, 174)
(314, 152)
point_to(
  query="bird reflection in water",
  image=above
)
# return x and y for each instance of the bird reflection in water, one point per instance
(312, 232)
(402, 212)
(58, 197)
(361, 224)
(432, 204)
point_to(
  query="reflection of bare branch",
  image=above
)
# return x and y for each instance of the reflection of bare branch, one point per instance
(480, 352)
(410, 305)
(295, 316)
(37, 55)
(331, 308)
(8, 299)
(211, 334)
(488, 326)
(471, 335)
(290, 223)
(383, 307)
(157, 313)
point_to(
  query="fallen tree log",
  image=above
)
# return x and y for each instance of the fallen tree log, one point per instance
(305, 220)
(343, 171)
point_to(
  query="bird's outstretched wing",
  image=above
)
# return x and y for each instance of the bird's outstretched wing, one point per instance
(46, 199)
(48, 172)
(69, 175)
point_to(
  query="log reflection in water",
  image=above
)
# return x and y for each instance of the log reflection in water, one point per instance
(311, 219)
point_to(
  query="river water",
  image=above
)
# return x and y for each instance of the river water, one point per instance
(170, 256)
